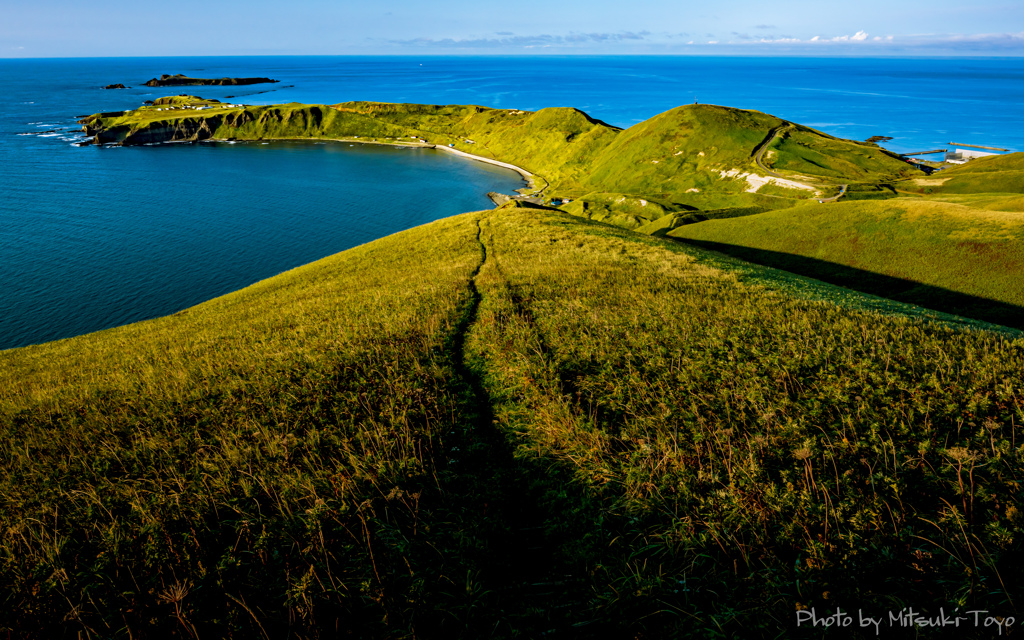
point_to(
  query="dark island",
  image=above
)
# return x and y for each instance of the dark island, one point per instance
(116, 86)
(179, 79)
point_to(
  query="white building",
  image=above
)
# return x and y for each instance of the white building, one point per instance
(960, 156)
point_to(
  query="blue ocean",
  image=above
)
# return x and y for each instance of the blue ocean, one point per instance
(94, 237)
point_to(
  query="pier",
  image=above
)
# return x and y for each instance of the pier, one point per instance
(977, 146)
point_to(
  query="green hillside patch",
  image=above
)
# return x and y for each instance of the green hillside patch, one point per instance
(509, 424)
(687, 147)
(774, 189)
(991, 202)
(988, 175)
(557, 143)
(869, 192)
(805, 151)
(620, 209)
(987, 182)
(989, 164)
(678, 150)
(646, 215)
(939, 255)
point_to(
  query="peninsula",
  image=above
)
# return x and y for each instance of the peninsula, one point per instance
(703, 174)
(577, 417)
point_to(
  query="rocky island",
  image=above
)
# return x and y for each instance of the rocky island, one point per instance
(180, 80)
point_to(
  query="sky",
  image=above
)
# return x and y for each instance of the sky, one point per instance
(71, 28)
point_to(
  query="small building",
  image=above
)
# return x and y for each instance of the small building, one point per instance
(960, 156)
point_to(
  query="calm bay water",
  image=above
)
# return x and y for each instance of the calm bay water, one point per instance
(96, 237)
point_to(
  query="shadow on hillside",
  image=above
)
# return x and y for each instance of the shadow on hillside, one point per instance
(898, 289)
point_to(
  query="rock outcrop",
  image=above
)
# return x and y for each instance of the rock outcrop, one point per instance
(116, 86)
(179, 79)
(172, 130)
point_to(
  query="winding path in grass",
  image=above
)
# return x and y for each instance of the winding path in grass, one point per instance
(513, 523)
(759, 155)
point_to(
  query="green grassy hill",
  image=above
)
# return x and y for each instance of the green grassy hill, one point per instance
(508, 424)
(686, 147)
(679, 157)
(945, 256)
(993, 174)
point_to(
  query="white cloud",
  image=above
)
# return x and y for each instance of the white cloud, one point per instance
(857, 37)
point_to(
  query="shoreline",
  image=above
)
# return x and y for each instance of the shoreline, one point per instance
(530, 178)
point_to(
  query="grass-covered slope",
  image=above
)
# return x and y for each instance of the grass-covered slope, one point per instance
(687, 147)
(508, 424)
(256, 458)
(807, 151)
(678, 156)
(557, 143)
(944, 256)
(989, 175)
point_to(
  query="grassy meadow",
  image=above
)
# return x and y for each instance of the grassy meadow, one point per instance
(509, 424)
(951, 241)
(952, 257)
(990, 175)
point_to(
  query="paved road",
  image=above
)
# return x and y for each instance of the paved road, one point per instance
(842, 192)
(776, 132)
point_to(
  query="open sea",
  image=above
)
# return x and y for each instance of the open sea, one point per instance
(94, 237)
